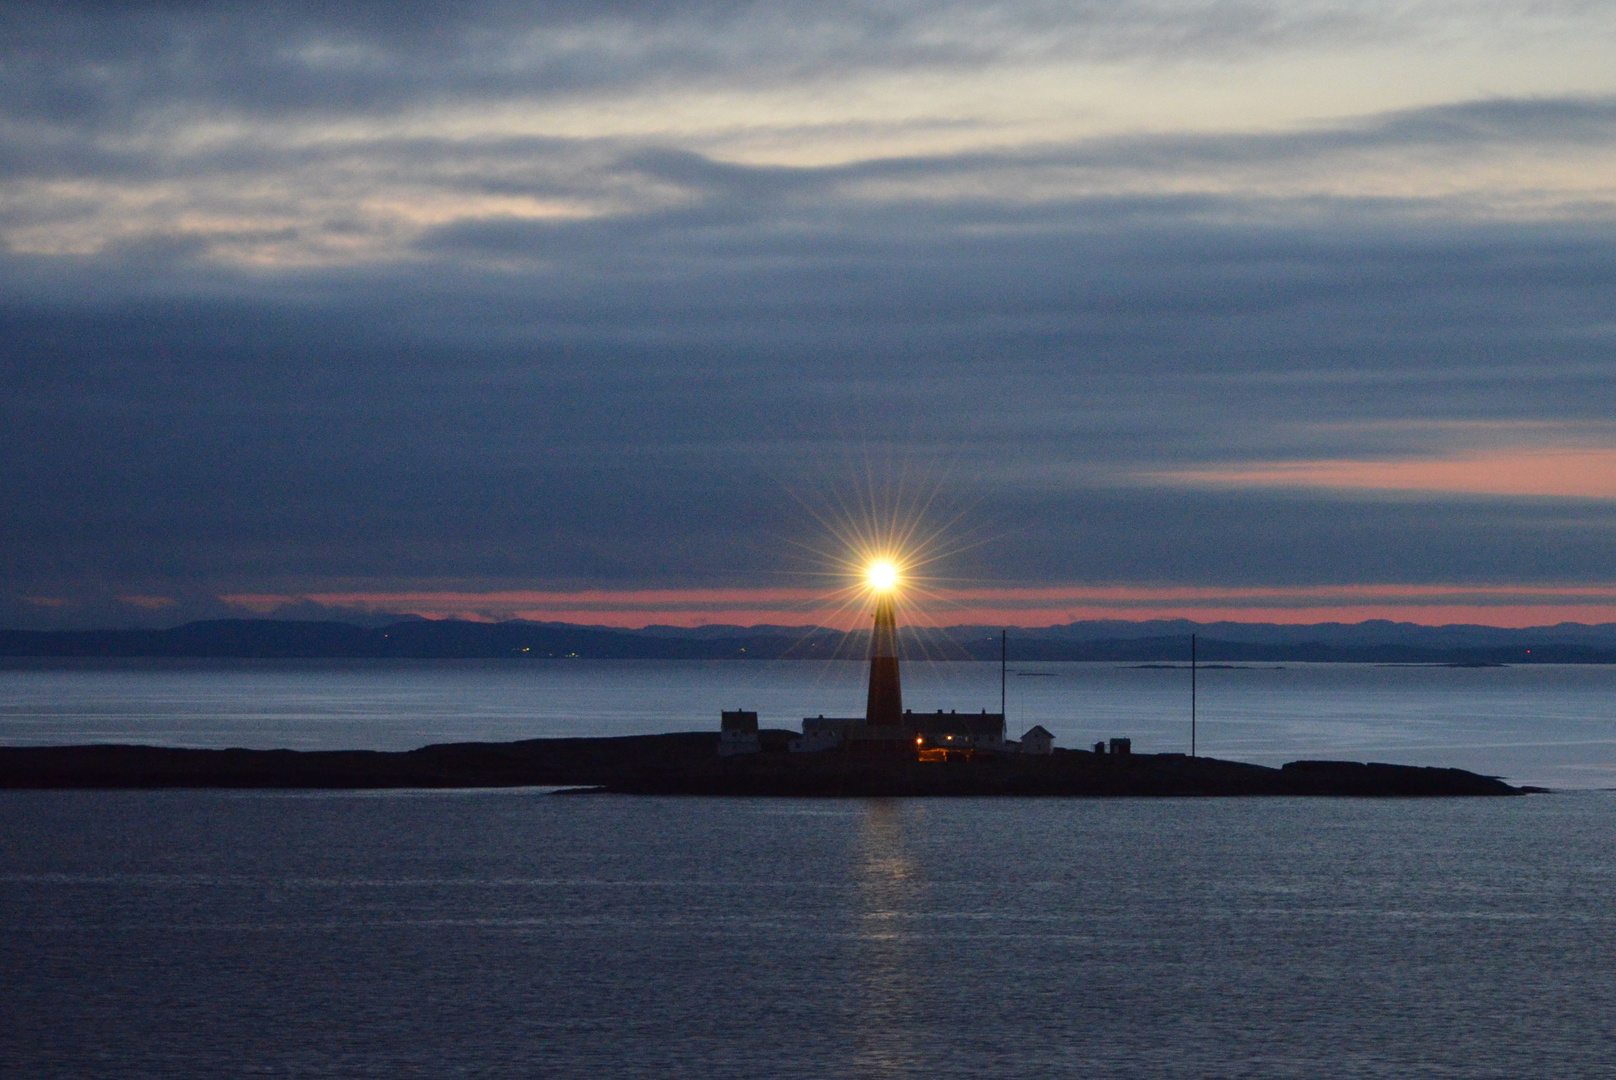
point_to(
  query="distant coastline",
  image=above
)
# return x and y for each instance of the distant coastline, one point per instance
(1163, 643)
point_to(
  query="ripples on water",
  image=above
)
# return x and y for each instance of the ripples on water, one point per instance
(521, 934)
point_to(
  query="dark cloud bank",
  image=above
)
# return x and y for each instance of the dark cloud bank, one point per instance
(669, 395)
(667, 400)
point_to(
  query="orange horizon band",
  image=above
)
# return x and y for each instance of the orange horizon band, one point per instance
(1517, 606)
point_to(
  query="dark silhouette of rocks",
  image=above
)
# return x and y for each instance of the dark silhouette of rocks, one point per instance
(687, 763)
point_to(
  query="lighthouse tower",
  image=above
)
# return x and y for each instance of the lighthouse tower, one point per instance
(885, 705)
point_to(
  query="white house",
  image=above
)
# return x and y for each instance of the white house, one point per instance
(1038, 741)
(821, 733)
(738, 734)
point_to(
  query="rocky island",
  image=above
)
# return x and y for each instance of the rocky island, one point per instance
(688, 763)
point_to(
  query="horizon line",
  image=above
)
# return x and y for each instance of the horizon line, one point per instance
(405, 617)
(1514, 606)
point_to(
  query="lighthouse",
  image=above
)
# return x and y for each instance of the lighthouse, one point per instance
(884, 707)
(885, 728)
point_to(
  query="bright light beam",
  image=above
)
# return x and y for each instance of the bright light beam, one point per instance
(883, 576)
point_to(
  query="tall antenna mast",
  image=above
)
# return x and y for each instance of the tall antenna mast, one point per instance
(1004, 654)
(1192, 695)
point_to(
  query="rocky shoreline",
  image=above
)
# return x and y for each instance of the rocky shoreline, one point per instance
(686, 763)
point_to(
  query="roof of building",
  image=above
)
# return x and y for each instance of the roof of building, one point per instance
(830, 723)
(738, 720)
(1038, 730)
(950, 723)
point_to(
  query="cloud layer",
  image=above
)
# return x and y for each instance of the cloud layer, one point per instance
(478, 301)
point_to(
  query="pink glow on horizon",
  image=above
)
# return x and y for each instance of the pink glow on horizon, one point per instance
(381, 600)
(1588, 472)
(1493, 605)
(150, 603)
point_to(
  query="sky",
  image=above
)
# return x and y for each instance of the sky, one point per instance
(628, 313)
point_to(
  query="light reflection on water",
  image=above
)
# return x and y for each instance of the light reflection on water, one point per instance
(888, 886)
(1548, 725)
(202, 934)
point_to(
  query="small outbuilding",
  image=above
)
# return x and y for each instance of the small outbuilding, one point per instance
(1038, 741)
(738, 733)
(821, 733)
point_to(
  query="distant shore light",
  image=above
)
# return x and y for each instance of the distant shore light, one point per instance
(883, 576)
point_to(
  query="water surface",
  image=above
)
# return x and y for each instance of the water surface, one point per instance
(1548, 725)
(518, 934)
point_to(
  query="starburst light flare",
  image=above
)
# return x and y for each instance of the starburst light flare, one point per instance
(882, 544)
(883, 576)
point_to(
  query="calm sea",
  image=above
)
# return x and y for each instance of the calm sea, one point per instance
(529, 934)
(522, 934)
(1544, 725)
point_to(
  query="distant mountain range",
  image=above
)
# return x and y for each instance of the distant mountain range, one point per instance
(1141, 642)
